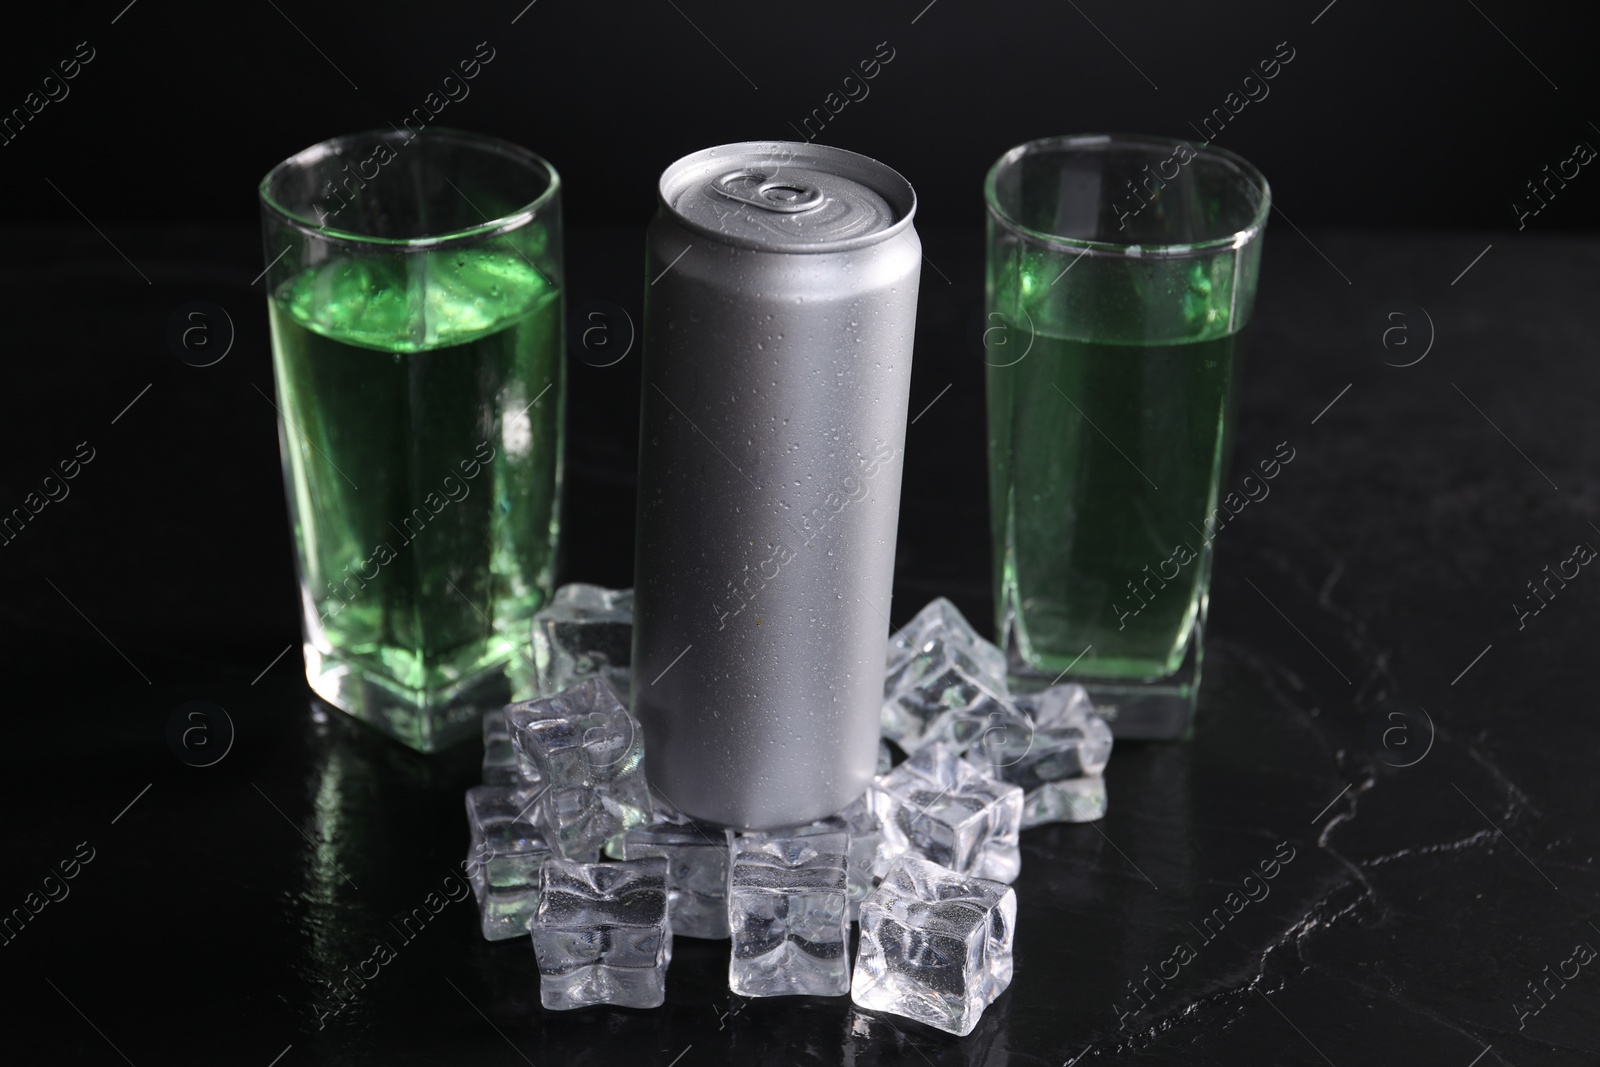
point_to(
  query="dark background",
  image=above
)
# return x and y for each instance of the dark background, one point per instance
(1429, 891)
(1390, 114)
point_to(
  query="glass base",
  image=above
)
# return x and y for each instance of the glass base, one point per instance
(427, 720)
(1152, 709)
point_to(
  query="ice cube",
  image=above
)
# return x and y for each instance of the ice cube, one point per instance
(866, 838)
(935, 945)
(949, 811)
(508, 849)
(1069, 800)
(500, 764)
(697, 873)
(513, 715)
(589, 753)
(1068, 739)
(944, 682)
(978, 730)
(662, 813)
(787, 905)
(584, 631)
(940, 698)
(941, 624)
(1002, 862)
(1057, 758)
(601, 933)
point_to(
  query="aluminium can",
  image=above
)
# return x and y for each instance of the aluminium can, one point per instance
(780, 306)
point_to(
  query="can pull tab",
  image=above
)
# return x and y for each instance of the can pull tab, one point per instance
(786, 196)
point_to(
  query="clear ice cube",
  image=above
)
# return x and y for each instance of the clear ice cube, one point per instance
(589, 753)
(940, 623)
(601, 933)
(1067, 739)
(584, 631)
(662, 813)
(866, 837)
(980, 730)
(885, 758)
(508, 850)
(935, 945)
(944, 682)
(500, 763)
(1069, 800)
(949, 811)
(1001, 862)
(697, 873)
(514, 715)
(787, 909)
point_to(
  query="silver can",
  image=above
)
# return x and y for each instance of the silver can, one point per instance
(780, 307)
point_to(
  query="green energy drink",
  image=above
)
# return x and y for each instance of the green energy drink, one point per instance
(1107, 459)
(421, 434)
(1120, 279)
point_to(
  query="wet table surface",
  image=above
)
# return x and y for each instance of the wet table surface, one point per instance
(1390, 723)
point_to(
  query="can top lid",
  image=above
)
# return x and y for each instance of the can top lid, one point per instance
(788, 196)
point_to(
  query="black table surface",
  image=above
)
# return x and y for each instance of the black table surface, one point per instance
(1377, 715)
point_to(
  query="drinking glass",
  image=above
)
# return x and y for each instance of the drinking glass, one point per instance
(1121, 274)
(414, 294)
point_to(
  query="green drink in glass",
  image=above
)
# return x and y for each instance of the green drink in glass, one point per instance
(1121, 275)
(417, 336)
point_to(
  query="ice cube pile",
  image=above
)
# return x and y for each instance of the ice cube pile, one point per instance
(947, 685)
(922, 862)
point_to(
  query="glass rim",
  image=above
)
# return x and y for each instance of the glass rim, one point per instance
(1237, 239)
(334, 146)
